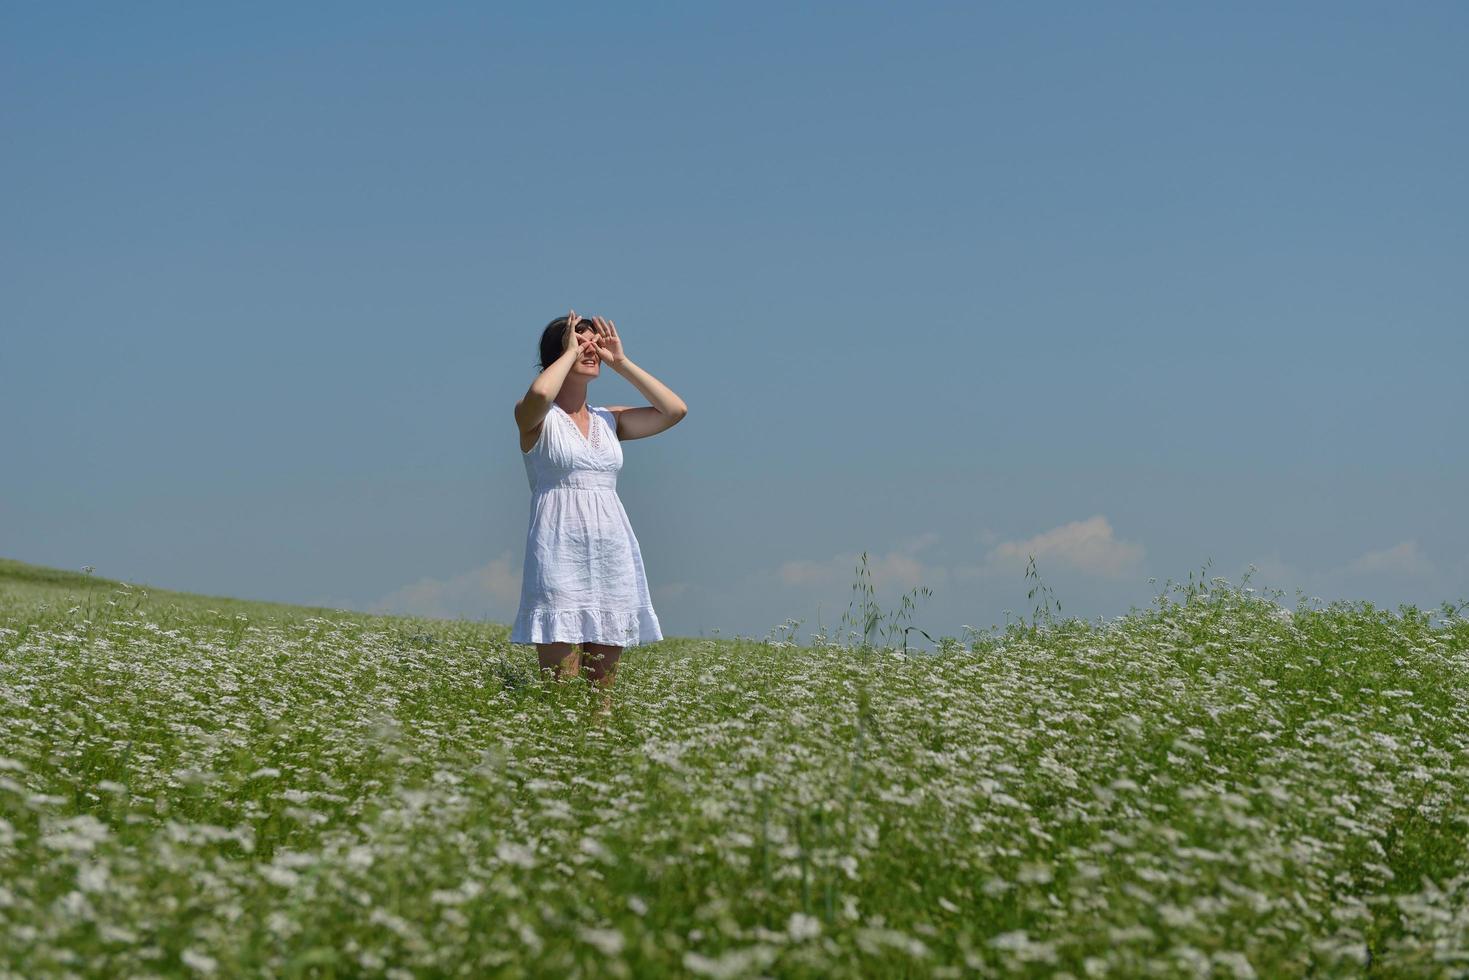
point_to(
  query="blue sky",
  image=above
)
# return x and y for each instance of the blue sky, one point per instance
(1128, 288)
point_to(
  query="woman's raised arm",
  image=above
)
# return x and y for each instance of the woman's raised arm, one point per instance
(531, 410)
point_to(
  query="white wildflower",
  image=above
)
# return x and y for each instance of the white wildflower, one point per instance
(517, 854)
(609, 941)
(802, 927)
(78, 834)
(199, 962)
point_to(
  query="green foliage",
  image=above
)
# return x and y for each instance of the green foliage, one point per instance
(864, 612)
(1042, 615)
(1213, 786)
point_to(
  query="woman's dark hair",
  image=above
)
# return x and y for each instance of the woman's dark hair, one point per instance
(553, 340)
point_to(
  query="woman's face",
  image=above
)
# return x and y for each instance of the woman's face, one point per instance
(587, 364)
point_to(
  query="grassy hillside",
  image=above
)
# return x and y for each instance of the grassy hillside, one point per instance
(27, 588)
(1215, 786)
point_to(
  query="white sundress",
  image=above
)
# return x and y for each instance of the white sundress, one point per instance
(583, 579)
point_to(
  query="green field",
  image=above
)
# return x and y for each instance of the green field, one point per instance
(1212, 786)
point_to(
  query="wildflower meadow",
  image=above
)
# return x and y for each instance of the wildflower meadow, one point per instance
(1216, 785)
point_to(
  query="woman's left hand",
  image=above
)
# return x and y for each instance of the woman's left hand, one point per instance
(609, 345)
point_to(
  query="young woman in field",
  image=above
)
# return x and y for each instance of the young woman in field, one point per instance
(583, 581)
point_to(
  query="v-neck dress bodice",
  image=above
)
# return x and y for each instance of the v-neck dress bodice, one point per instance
(583, 579)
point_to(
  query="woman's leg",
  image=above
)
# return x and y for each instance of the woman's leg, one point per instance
(601, 659)
(559, 660)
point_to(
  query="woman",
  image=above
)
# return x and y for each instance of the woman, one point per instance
(583, 580)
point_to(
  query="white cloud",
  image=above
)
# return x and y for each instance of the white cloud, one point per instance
(894, 570)
(805, 572)
(1404, 558)
(672, 590)
(491, 591)
(916, 543)
(1087, 546)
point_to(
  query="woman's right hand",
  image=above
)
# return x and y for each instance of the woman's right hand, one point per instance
(570, 343)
